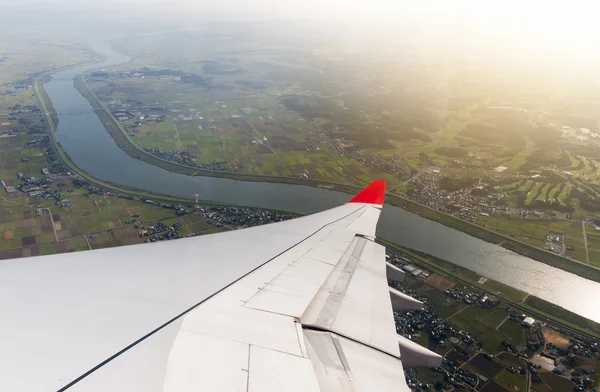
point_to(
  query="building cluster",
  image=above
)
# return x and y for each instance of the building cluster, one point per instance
(470, 297)
(466, 203)
(387, 165)
(27, 118)
(177, 156)
(37, 141)
(94, 190)
(242, 217)
(39, 187)
(159, 232)
(406, 265)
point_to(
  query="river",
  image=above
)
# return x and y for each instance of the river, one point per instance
(85, 139)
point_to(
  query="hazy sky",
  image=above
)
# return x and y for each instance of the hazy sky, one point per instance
(568, 29)
(539, 20)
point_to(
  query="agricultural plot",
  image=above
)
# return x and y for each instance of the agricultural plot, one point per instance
(513, 332)
(511, 380)
(494, 318)
(556, 382)
(492, 386)
(471, 319)
(510, 359)
(153, 135)
(574, 231)
(530, 230)
(594, 257)
(486, 367)
(593, 241)
(575, 249)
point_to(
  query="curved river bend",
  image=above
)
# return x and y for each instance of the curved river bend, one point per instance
(90, 146)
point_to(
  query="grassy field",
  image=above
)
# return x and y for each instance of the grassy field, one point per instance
(513, 332)
(511, 380)
(556, 382)
(472, 319)
(531, 230)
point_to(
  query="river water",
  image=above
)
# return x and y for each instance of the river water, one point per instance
(84, 138)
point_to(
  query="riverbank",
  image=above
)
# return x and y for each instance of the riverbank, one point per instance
(536, 307)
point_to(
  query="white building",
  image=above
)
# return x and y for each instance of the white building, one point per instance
(528, 322)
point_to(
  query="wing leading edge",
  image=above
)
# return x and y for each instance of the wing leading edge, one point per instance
(297, 305)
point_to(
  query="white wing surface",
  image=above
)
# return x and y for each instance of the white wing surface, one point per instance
(300, 305)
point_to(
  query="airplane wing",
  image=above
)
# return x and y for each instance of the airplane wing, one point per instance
(300, 305)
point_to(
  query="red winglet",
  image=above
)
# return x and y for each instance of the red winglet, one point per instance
(374, 193)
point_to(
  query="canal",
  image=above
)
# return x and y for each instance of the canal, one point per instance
(85, 139)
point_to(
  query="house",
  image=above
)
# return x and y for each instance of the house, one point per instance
(560, 369)
(528, 322)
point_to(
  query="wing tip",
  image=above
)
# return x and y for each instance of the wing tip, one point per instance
(374, 193)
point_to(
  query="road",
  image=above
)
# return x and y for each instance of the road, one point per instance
(177, 133)
(214, 133)
(502, 323)
(587, 256)
(468, 306)
(53, 225)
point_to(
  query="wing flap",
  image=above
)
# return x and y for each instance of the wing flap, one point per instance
(343, 365)
(354, 300)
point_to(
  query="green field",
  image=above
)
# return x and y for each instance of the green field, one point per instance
(533, 192)
(556, 382)
(472, 320)
(531, 230)
(562, 196)
(511, 380)
(513, 332)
